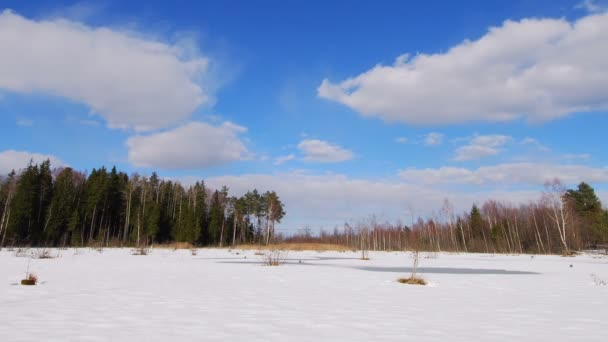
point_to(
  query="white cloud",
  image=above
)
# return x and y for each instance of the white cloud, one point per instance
(474, 152)
(17, 160)
(283, 159)
(401, 140)
(534, 142)
(328, 200)
(481, 146)
(194, 145)
(433, 139)
(539, 69)
(322, 151)
(506, 174)
(591, 6)
(129, 80)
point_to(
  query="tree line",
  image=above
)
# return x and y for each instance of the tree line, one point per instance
(561, 221)
(40, 206)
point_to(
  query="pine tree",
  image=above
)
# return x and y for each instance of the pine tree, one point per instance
(216, 218)
(584, 199)
(61, 208)
(476, 222)
(24, 207)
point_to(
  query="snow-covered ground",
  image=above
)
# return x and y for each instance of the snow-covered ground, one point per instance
(227, 295)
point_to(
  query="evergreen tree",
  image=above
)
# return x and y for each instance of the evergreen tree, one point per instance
(216, 218)
(22, 227)
(476, 222)
(61, 208)
(71, 208)
(584, 199)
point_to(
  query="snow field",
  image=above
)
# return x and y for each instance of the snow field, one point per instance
(223, 295)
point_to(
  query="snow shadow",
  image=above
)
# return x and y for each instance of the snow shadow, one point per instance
(443, 270)
(427, 270)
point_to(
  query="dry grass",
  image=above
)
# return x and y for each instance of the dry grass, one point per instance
(175, 245)
(319, 247)
(412, 281)
(31, 279)
(22, 253)
(44, 254)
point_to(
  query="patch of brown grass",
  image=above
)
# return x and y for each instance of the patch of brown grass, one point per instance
(319, 247)
(175, 245)
(31, 279)
(412, 281)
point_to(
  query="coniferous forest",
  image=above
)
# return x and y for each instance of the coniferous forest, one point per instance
(41, 206)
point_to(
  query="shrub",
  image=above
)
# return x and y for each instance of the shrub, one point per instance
(275, 257)
(413, 279)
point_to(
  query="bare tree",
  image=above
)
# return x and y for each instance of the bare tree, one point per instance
(558, 211)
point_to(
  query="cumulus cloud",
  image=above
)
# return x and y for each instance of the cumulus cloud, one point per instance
(481, 146)
(283, 159)
(433, 139)
(508, 174)
(194, 145)
(129, 80)
(402, 140)
(17, 160)
(322, 151)
(328, 200)
(538, 69)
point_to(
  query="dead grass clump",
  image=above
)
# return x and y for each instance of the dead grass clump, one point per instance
(194, 251)
(43, 254)
(412, 281)
(413, 278)
(275, 257)
(304, 246)
(30, 279)
(21, 253)
(141, 251)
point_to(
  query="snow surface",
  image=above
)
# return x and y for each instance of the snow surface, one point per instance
(223, 295)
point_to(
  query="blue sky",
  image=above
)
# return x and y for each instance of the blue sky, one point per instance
(314, 99)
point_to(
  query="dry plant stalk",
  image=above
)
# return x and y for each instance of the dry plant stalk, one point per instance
(414, 279)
